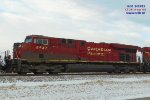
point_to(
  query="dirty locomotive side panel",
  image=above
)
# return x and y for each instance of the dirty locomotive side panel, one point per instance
(39, 54)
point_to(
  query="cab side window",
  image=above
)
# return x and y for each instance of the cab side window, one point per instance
(41, 41)
(45, 42)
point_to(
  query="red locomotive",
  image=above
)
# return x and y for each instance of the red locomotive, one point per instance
(40, 54)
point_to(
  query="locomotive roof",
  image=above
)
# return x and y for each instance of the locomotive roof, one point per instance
(42, 36)
(115, 45)
(39, 36)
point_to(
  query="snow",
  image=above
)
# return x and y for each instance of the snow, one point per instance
(75, 87)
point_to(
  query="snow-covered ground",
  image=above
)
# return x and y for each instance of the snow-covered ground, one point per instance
(74, 87)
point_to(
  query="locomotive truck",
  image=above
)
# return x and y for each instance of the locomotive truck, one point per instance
(42, 54)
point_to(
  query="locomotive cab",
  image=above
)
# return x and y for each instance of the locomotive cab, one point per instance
(33, 49)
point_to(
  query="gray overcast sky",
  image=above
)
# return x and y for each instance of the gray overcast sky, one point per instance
(91, 20)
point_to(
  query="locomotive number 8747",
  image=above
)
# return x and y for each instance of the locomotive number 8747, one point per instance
(41, 54)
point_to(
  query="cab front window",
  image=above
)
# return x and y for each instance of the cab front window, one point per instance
(28, 40)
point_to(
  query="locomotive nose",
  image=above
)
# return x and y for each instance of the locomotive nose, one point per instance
(17, 45)
(16, 50)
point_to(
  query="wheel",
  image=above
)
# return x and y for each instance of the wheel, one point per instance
(2, 72)
(126, 71)
(144, 71)
(117, 71)
(110, 72)
(134, 71)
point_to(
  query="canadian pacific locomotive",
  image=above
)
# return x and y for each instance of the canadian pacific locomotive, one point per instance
(41, 54)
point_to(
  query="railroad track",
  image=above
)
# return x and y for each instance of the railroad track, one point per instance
(59, 74)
